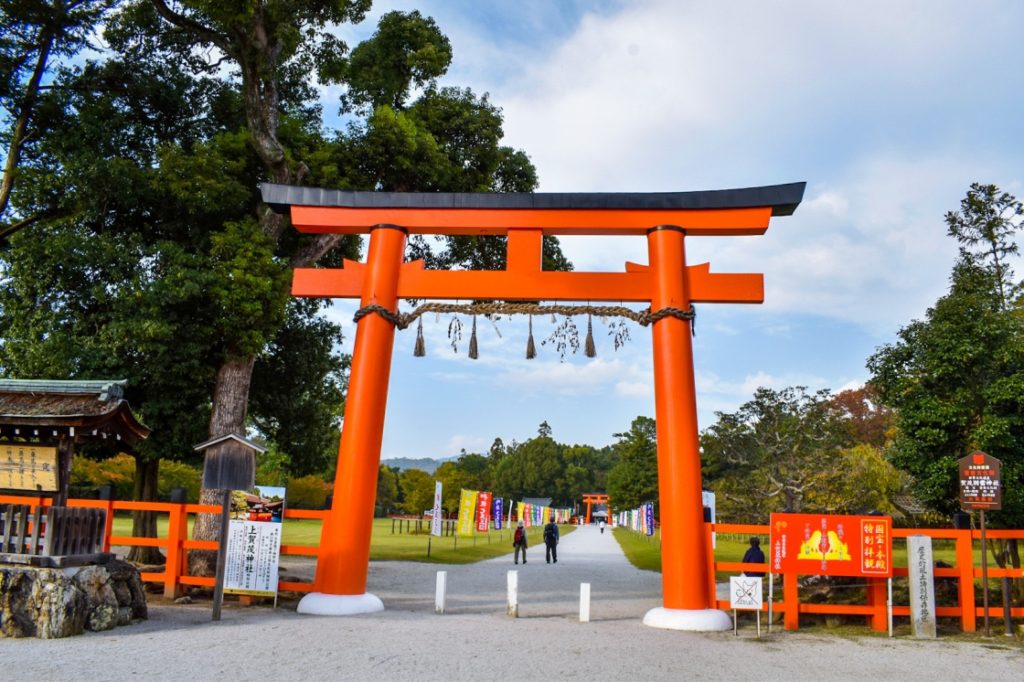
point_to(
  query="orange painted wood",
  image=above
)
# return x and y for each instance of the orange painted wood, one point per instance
(177, 531)
(345, 537)
(877, 598)
(634, 286)
(525, 251)
(965, 565)
(305, 513)
(300, 550)
(684, 545)
(791, 598)
(468, 221)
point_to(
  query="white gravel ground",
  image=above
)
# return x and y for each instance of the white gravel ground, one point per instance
(475, 640)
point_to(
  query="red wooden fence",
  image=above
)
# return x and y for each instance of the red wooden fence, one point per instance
(177, 542)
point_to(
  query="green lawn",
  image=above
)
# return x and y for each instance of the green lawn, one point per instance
(388, 546)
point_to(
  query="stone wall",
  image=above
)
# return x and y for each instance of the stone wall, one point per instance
(61, 602)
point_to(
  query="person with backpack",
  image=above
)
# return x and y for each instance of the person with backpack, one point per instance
(519, 542)
(551, 541)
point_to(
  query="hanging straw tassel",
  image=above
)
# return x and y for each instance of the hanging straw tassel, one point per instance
(420, 349)
(589, 349)
(531, 349)
(473, 354)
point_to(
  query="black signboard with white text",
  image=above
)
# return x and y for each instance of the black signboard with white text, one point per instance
(980, 487)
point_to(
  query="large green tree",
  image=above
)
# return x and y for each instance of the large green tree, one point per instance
(634, 479)
(774, 453)
(956, 377)
(34, 34)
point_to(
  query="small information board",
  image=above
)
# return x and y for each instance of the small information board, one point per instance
(745, 593)
(24, 466)
(979, 482)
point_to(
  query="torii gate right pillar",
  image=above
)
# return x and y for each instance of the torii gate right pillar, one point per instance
(684, 551)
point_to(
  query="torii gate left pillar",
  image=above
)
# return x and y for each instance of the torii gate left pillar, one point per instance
(668, 284)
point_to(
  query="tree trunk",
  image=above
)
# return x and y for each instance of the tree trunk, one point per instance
(230, 401)
(144, 522)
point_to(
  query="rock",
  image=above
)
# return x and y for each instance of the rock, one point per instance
(183, 600)
(60, 602)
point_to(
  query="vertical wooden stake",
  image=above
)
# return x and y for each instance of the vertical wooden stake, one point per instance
(222, 552)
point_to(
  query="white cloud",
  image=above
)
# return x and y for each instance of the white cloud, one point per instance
(459, 442)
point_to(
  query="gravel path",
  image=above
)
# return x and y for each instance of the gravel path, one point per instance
(475, 639)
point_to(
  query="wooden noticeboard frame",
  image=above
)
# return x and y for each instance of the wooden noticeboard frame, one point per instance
(28, 466)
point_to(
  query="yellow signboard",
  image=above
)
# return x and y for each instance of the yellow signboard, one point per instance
(24, 466)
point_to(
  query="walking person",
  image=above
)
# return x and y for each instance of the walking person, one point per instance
(551, 541)
(519, 542)
(601, 526)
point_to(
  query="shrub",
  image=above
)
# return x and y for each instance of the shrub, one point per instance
(307, 492)
(179, 475)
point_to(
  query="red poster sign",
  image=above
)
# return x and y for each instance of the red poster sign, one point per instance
(823, 544)
(483, 512)
(979, 482)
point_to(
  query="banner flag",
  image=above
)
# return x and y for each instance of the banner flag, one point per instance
(521, 512)
(467, 512)
(435, 517)
(498, 503)
(483, 512)
(650, 518)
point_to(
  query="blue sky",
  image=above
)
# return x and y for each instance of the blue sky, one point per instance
(888, 110)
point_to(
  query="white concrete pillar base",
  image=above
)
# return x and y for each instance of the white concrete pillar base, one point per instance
(696, 620)
(320, 604)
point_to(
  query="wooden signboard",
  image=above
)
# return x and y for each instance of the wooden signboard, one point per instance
(825, 544)
(979, 482)
(25, 466)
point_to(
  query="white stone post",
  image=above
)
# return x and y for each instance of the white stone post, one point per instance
(513, 594)
(921, 572)
(584, 602)
(441, 592)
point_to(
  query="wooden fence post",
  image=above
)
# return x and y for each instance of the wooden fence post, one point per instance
(878, 601)
(177, 530)
(965, 566)
(791, 601)
(108, 528)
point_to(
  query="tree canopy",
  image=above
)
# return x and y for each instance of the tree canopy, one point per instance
(956, 378)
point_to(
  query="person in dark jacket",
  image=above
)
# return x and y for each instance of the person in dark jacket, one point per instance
(519, 542)
(754, 555)
(551, 541)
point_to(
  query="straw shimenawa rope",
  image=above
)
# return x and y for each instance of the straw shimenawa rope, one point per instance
(403, 320)
(642, 317)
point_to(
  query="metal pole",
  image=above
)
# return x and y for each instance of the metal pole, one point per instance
(984, 573)
(222, 559)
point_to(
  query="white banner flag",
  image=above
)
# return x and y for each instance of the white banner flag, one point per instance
(435, 522)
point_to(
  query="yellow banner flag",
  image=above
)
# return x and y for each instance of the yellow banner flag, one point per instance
(467, 512)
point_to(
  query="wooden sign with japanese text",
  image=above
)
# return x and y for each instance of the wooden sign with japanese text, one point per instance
(24, 466)
(979, 482)
(826, 544)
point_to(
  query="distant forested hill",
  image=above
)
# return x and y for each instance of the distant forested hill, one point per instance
(424, 463)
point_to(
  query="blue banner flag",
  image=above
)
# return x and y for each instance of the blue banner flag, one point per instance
(497, 513)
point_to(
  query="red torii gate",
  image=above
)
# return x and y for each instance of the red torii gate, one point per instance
(666, 283)
(596, 498)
